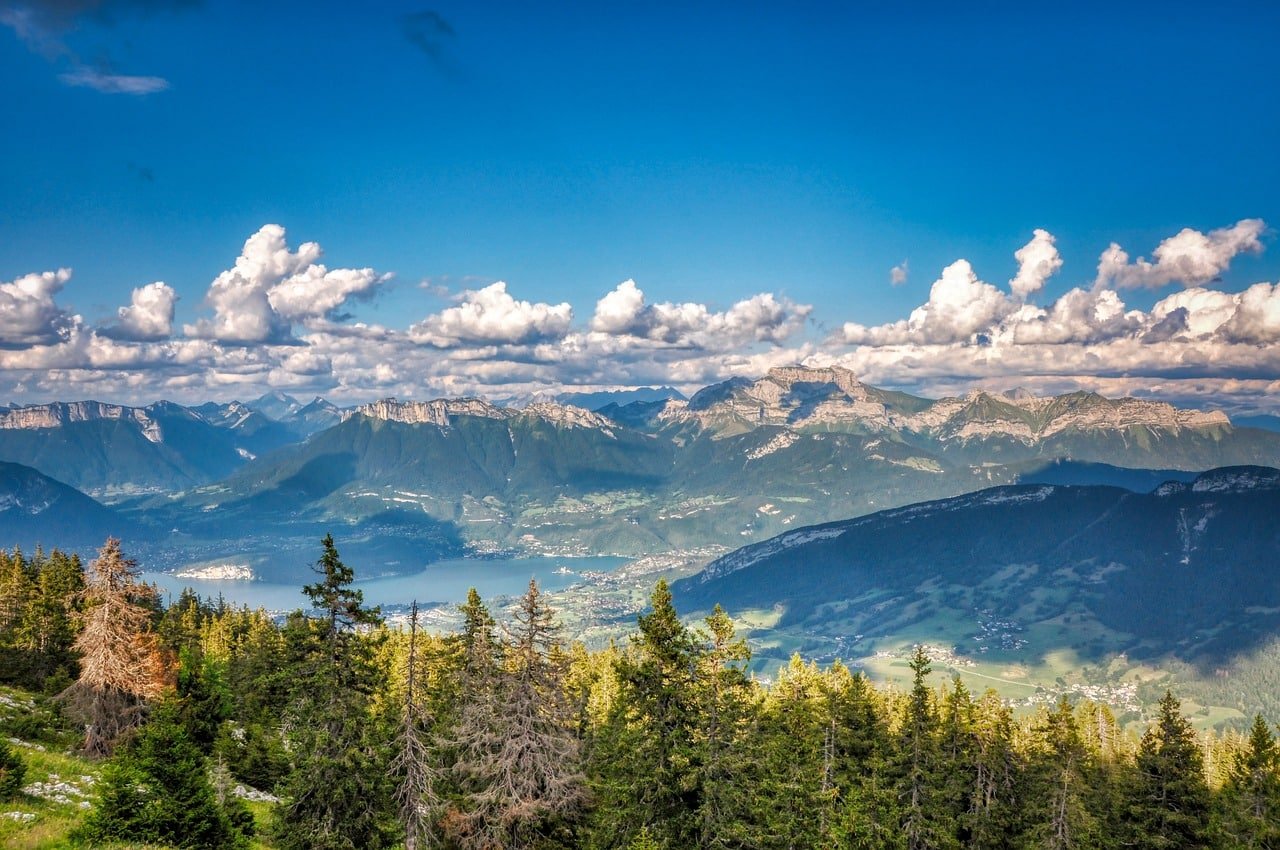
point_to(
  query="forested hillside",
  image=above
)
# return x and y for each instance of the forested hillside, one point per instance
(352, 732)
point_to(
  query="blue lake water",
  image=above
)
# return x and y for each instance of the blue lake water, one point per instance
(443, 581)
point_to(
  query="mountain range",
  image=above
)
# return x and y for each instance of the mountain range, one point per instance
(739, 461)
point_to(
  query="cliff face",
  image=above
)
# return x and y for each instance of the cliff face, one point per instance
(801, 398)
(58, 414)
(437, 412)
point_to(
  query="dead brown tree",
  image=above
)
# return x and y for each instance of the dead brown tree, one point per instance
(519, 755)
(121, 665)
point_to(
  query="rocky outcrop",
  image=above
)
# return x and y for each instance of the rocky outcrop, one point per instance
(438, 412)
(58, 414)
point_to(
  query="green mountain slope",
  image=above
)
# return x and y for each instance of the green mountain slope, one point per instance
(1028, 577)
(35, 509)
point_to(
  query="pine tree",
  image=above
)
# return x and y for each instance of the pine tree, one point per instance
(926, 822)
(1060, 816)
(13, 770)
(643, 755)
(335, 796)
(1170, 806)
(121, 666)
(156, 790)
(794, 791)
(1251, 796)
(995, 805)
(724, 710)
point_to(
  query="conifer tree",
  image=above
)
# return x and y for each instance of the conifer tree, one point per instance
(1060, 816)
(1170, 805)
(156, 790)
(926, 821)
(724, 710)
(995, 805)
(121, 666)
(643, 757)
(13, 770)
(1251, 796)
(49, 628)
(335, 796)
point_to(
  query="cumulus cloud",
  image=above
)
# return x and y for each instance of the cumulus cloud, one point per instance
(1256, 318)
(271, 287)
(491, 316)
(959, 306)
(149, 315)
(1079, 316)
(278, 320)
(898, 274)
(28, 313)
(764, 317)
(1188, 257)
(1038, 261)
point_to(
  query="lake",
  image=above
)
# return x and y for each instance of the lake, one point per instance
(443, 581)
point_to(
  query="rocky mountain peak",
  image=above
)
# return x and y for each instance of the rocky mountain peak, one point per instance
(437, 412)
(57, 414)
(568, 416)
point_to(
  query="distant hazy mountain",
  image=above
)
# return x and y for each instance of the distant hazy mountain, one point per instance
(275, 405)
(301, 419)
(597, 400)
(36, 510)
(1191, 569)
(740, 461)
(114, 450)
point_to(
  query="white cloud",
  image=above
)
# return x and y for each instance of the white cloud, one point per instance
(1257, 316)
(898, 274)
(1189, 257)
(959, 306)
(149, 315)
(28, 313)
(271, 287)
(764, 317)
(1038, 261)
(491, 315)
(621, 311)
(276, 322)
(1079, 316)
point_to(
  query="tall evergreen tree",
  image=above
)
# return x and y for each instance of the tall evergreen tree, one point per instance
(643, 756)
(1171, 805)
(156, 790)
(724, 709)
(336, 796)
(1060, 816)
(926, 822)
(419, 779)
(1251, 795)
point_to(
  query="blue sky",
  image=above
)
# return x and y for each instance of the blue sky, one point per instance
(709, 151)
